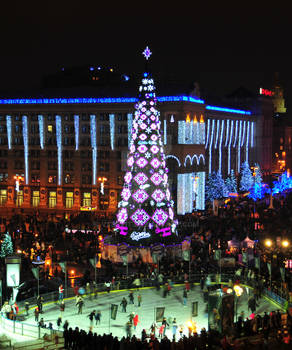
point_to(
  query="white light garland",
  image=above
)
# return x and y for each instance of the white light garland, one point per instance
(227, 133)
(181, 132)
(93, 147)
(217, 133)
(220, 146)
(59, 146)
(239, 146)
(210, 146)
(180, 194)
(229, 145)
(243, 133)
(136, 236)
(112, 130)
(235, 135)
(9, 127)
(25, 144)
(41, 131)
(247, 141)
(252, 134)
(208, 132)
(76, 128)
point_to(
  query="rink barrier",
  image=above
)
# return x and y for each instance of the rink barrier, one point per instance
(22, 328)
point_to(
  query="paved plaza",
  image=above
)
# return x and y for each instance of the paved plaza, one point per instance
(151, 298)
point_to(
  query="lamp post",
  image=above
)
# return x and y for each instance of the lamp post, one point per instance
(13, 263)
(102, 180)
(38, 262)
(238, 292)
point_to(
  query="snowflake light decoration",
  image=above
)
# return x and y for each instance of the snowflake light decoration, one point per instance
(140, 217)
(158, 195)
(140, 196)
(155, 163)
(122, 215)
(141, 162)
(140, 178)
(156, 179)
(160, 217)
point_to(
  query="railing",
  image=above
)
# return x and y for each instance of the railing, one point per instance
(22, 328)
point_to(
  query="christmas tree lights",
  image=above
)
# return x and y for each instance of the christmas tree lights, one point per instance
(6, 246)
(145, 213)
(76, 128)
(41, 131)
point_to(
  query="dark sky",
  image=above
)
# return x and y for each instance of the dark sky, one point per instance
(221, 46)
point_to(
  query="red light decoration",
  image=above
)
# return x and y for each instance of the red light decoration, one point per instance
(266, 92)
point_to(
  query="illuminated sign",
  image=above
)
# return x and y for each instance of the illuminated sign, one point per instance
(266, 92)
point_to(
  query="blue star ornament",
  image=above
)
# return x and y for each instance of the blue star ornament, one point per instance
(147, 53)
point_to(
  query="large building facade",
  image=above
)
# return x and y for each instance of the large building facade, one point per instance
(66, 155)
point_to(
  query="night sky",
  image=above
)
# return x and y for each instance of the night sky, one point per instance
(221, 47)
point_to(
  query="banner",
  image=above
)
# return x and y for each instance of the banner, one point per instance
(269, 267)
(227, 313)
(214, 310)
(35, 272)
(186, 255)
(282, 272)
(257, 262)
(217, 254)
(159, 314)
(63, 266)
(114, 310)
(125, 259)
(244, 257)
(155, 258)
(194, 308)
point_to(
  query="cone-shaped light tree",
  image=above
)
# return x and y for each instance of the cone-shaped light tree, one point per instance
(145, 214)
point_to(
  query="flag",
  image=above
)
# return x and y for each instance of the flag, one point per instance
(92, 262)
(63, 266)
(269, 267)
(159, 314)
(217, 255)
(282, 271)
(35, 272)
(186, 255)
(114, 310)
(257, 262)
(125, 259)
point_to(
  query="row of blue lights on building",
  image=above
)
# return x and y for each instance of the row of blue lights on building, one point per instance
(116, 100)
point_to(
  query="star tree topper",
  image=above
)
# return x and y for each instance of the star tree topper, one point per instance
(147, 53)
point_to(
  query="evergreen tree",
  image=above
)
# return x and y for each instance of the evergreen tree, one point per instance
(7, 246)
(215, 187)
(246, 180)
(284, 182)
(231, 183)
(256, 192)
(145, 215)
(258, 174)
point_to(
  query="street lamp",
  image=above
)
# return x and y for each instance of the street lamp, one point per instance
(102, 180)
(38, 262)
(268, 243)
(18, 179)
(238, 292)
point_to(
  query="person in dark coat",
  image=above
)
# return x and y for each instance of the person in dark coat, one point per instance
(131, 297)
(252, 305)
(124, 304)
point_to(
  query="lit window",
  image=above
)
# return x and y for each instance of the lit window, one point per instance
(52, 199)
(50, 128)
(35, 198)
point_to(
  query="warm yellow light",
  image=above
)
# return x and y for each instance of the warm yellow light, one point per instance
(229, 290)
(238, 290)
(195, 119)
(72, 272)
(19, 251)
(202, 119)
(188, 119)
(285, 243)
(268, 243)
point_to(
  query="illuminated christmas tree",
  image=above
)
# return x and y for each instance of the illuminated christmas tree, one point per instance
(145, 215)
(7, 246)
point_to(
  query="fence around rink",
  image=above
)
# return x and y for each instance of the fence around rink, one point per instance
(23, 328)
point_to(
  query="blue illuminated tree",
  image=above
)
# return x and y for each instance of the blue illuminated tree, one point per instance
(215, 187)
(231, 183)
(284, 182)
(6, 246)
(258, 174)
(246, 180)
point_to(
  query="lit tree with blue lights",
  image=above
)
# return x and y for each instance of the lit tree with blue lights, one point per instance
(231, 183)
(284, 182)
(246, 180)
(6, 246)
(215, 187)
(145, 213)
(258, 174)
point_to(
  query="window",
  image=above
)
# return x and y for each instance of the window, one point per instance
(50, 128)
(3, 197)
(52, 179)
(35, 178)
(35, 198)
(68, 179)
(52, 199)
(3, 177)
(3, 164)
(19, 198)
(69, 200)
(86, 179)
(86, 199)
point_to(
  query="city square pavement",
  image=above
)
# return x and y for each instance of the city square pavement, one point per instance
(151, 298)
